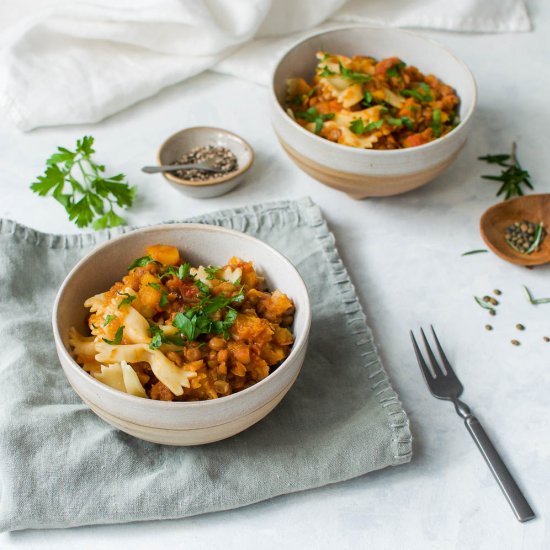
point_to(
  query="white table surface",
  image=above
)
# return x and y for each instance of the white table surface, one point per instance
(404, 255)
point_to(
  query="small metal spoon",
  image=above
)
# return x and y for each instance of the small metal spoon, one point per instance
(174, 167)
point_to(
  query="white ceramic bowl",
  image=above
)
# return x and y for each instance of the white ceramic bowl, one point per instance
(179, 423)
(185, 140)
(360, 172)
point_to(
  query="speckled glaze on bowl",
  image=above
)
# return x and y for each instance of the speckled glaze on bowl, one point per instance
(179, 423)
(185, 140)
(361, 172)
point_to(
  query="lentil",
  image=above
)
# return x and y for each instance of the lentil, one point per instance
(515, 342)
(525, 236)
(488, 327)
(519, 326)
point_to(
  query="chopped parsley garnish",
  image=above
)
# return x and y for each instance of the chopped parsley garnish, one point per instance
(141, 262)
(163, 299)
(394, 71)
(417, 95)
(359, 127)
(424, 87)
(117, 339)
(126, 301)
(326, 72)
(182, 272)
(199, 319)
(77, 182)
(312, 115)
(204, 289)
(394, 121)
(158, 337)
(108, 319)
(352, 75)
(436, 122)
(367, 100)
(156, 286)
(211, 270)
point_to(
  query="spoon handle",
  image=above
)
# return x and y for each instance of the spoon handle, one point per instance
(173, 167)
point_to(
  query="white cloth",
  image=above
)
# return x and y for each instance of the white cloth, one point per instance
(80, 61)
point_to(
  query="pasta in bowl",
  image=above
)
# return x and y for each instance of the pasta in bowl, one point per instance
(351, 125)
(169, 355)
(173, 332)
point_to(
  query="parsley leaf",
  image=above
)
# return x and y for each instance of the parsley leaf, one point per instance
(417, 95)
(312, 115)
(126, 301)
(199, 319)
(163, 299)
(108, 319)
(117, 339)
(92, 197)
(212, 270)
(141, 262)
(352, 75)
(436, 122)
(358, 126)
(326, 72)
(156, 286)
(394, 71)
(367, 100)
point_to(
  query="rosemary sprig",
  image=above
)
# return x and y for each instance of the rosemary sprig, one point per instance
(535, 301)
(538, 237)
(512, 178)
(477, 251)
(485, 305)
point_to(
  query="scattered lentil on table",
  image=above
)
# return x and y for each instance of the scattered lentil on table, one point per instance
(223, 158)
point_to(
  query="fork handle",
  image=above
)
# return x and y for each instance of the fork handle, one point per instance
(509, 487)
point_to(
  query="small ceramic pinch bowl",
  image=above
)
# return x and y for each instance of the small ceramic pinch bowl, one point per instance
(368, 172)
(179, 423)
(185, 140)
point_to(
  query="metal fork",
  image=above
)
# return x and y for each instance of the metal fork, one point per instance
(444, 384)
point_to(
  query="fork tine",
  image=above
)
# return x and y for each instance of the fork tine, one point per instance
(421, 363)
(448, 368)
(435, 365)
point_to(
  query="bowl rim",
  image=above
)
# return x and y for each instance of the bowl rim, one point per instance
(299, 344)
(213, 181)
(375, 152)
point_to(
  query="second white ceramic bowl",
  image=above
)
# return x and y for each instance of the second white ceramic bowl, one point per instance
(366, 172)
(179, 423)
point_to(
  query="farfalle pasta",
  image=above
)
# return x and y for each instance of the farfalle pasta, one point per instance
(369, 104)
(174, 332)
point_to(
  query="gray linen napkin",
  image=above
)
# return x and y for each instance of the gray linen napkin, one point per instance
(62, 466)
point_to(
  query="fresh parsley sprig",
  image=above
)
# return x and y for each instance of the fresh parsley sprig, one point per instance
(77, 182)
(512, 177)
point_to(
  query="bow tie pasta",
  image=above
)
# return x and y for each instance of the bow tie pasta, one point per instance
(176, 332)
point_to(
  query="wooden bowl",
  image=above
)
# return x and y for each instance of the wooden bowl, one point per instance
(179, 423)
(368, 172)
(495, 220)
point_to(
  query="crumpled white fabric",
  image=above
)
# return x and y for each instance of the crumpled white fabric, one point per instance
(80, 61)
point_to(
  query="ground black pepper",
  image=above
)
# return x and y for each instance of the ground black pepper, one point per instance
(223, 159)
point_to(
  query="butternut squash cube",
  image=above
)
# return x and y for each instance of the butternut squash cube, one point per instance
(165, 254)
